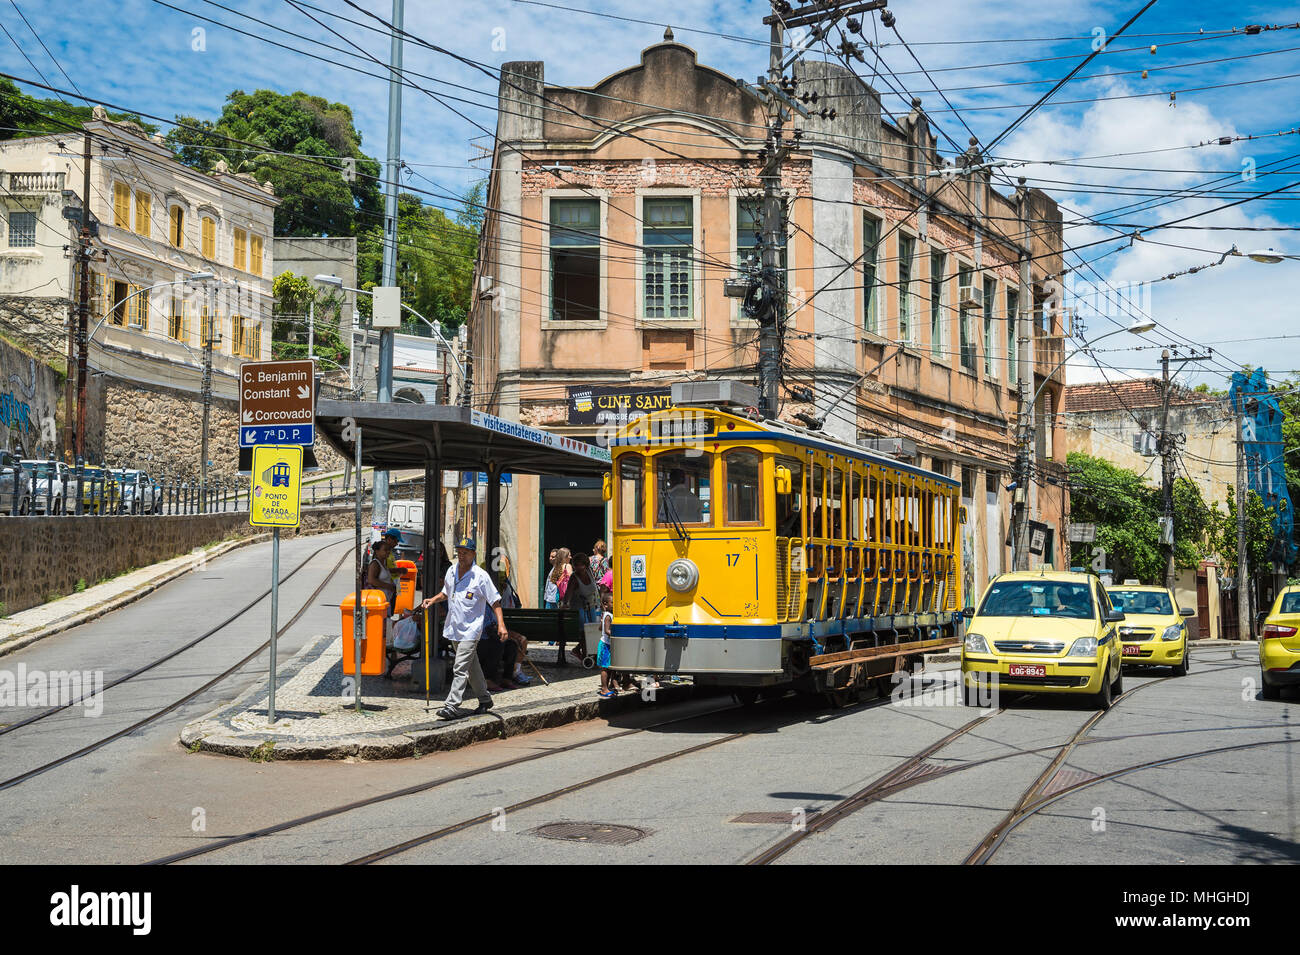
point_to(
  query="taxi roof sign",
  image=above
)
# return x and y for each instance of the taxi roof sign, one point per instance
(277, 402)
(277, 486)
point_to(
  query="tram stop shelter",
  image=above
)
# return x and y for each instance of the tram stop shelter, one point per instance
(437, 438)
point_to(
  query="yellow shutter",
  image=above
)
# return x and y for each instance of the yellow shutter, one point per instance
(133, 306)
(255, 250)
(178, 227)
(241, 250)
(209, 238)
(143, 205)
(121, 205)
(236, 334)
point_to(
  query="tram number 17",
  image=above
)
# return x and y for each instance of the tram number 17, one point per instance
(733, 560)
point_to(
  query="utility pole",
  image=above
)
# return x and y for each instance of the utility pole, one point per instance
(1167, 447)
(766, 298)
(1243, 555)
(83, 298)
(207, 330)
(1021, 497)
(393, 167)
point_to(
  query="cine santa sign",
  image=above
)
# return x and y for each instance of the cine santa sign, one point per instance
(277, 403)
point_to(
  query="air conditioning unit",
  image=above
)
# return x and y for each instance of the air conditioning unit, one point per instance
(968, 297)
(136, 324)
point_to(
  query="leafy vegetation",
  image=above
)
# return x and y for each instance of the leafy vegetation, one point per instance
(23, 115)
(295, 298)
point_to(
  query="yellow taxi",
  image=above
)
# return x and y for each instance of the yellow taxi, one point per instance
(1154, 632)
(1279, 645)
(1043, 631)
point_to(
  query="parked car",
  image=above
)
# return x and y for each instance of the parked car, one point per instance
(51, 486)
(15, 485)
(100, 493)
(138, 493)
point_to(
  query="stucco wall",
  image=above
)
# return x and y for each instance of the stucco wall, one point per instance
(54, 553)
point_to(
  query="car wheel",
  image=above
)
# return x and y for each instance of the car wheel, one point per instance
(1268, 691)
(1103, 697)
(745, 695)
(25, 507)
(1185, 664)
(56, 507)
(1118, 686)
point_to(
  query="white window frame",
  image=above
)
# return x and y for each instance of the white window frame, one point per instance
(738, 319)
(907, 297)
(940, 351)
(963, 316)
(696, 319)
(882, 285)
(547, 322)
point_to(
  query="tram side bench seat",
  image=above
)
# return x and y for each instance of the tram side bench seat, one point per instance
(545, 626)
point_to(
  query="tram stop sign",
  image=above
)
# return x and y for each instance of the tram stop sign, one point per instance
(277, 403)
(277, 485)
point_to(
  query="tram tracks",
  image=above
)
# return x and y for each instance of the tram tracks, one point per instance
(175, 704)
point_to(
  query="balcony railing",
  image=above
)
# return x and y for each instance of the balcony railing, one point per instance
(35, 181)
(1049, 352)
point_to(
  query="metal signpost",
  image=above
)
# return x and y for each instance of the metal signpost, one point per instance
(275, 497)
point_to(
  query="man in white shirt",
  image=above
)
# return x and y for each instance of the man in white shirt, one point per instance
(469, 591)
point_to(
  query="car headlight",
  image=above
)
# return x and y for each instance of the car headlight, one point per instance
(975, 643)
(683, 575)
(1084, 647)
(1172, 633)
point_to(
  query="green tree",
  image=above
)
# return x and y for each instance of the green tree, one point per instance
(435, 257)
(1125, 510)
(24, 115)
(310, 183)
(294, 296)
(1259, 533)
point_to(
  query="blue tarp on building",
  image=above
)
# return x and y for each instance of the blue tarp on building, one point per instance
(1261, 429)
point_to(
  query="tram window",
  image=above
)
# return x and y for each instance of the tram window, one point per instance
(855, 507)
(887, 512)
(682, 486)
(836, 501)
(744, 503)
(873, 496)
(914, 514)
(927, 515)
(817, 502)
(631, 490)
(789, 507)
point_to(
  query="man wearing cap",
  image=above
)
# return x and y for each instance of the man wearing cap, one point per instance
(469, 591)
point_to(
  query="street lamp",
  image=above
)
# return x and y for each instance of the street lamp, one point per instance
(337, 282)
(1141, 328)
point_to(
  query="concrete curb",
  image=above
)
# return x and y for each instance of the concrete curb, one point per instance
(77, 617)
(212, 733)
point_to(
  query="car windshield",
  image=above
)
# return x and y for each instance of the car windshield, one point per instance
(1141, 601)
(40, 468)
(1038, 598)
(1291, 602)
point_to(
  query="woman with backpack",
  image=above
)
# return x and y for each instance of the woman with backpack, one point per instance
(557, 580)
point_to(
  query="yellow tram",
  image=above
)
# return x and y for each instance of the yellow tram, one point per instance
(754, 554)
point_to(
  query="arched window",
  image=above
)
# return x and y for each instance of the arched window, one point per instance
(177, 229)
(209, 238)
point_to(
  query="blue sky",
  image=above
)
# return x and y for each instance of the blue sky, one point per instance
(145, 55)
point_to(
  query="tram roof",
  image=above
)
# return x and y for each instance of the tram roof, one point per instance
(404, 435)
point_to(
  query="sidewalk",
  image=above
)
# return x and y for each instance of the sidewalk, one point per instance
(20, 629)
(315, 721)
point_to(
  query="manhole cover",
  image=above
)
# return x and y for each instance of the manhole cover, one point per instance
(601, 832)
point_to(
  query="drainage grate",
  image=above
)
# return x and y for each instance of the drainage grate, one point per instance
(769, 818)
(1065, 778)
(599, 832)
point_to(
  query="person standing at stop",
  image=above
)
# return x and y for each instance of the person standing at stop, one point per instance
(469, 591)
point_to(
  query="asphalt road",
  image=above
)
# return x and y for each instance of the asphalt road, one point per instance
(1192, 769)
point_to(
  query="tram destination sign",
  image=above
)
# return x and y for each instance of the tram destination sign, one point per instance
(277, 403)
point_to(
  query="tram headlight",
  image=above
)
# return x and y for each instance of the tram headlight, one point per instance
(683, 575)
(975, 643)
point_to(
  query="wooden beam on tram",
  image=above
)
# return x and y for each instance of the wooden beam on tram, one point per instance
(828, 661)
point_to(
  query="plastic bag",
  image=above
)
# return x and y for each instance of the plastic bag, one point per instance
(406, 634)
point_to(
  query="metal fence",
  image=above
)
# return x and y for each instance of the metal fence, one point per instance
(92, 491)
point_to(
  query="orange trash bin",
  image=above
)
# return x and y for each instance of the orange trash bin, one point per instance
(406, 586)
(374, 608)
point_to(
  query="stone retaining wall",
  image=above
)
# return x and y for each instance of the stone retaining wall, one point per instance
(48, 556)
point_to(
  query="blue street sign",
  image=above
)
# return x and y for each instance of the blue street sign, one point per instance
(467, 478)
(253, 435)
